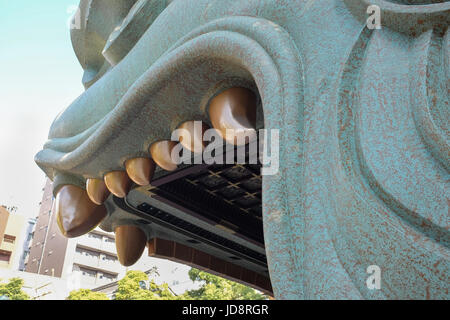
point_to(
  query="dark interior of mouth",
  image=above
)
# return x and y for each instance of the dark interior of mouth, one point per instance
(228, 197)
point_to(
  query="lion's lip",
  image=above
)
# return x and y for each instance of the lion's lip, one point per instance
(89, 109)
(71, 143)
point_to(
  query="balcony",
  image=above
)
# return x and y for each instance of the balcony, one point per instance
(99, 244)
(109, 265)
(97, 262)
(88, 280)
(4, 264)
(109, 247)
(88, 242)
(8, 246)
(103, 281)
(90, 261)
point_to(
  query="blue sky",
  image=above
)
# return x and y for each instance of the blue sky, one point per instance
(39, 76)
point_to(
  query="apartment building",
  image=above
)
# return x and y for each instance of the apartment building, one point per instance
(89, 261)
(11, 231)
(26, 243)
(48, 247)
(92, 259)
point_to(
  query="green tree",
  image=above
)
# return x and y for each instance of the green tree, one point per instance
(86, 294)
(13, 289)
(130, 288)
(217, 288)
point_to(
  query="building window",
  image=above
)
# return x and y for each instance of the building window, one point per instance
(9, 239)
(94, 236)
(91, 254)
(5, 255)
(110, 277)
(108, 257)
(110, 240)
(88, 272)
(87, 253)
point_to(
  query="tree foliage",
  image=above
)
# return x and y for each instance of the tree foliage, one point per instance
(217, 288)
(86, 294)
(212, 288)
(129, 288)
(13, 289)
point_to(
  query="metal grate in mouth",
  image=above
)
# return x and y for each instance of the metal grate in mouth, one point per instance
(229, 195)
(256, 257)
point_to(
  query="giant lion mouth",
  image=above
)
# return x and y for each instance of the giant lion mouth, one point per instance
(219, 74)
(332, 208)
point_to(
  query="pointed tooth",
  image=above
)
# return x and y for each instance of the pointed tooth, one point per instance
(235, 109)
(161, 154)
(97, 190)
(140, 170)
(192, 136)
(130, 243)
(76, 213)
(118, 183)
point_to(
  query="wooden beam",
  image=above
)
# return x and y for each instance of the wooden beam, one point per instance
(171, 250)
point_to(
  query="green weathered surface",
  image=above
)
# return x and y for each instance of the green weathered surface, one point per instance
(363, 117)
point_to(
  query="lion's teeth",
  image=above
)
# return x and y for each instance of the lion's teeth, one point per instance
(76, 213)
(130, 244)
(191, 136)
(140, 170)
(97, 190)
(161, 154)
(118, 183)
(235, 110)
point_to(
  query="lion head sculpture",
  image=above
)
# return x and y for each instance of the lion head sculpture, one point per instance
(362, 114)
